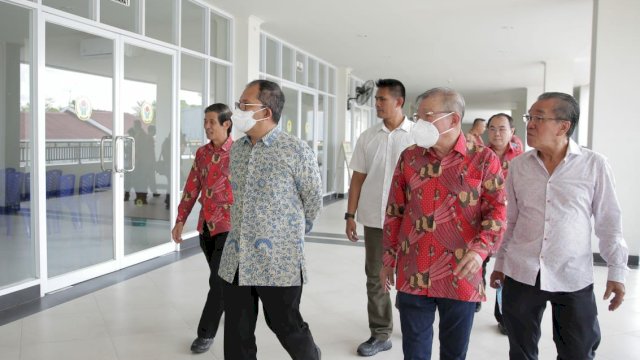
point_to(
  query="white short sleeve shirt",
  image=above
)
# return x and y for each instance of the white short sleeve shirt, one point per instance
(376, 154)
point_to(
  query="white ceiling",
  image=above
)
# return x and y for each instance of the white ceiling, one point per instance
(489, 50)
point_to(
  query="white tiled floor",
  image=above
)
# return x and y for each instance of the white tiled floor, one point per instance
(153, 316)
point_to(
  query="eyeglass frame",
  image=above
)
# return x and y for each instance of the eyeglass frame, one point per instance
(538, 119)
(417, 117)
(239, 106)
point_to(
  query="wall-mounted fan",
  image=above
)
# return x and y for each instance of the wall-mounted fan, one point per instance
(363, 93)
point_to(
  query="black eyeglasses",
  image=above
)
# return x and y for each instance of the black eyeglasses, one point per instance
(537, 119)
(243, 106)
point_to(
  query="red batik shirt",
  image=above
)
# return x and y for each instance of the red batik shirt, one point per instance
(439, 209)
(511, 152)
(209, 178)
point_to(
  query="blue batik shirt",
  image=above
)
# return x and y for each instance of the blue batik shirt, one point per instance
(277, 189)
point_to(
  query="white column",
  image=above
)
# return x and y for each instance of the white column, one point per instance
(247, 52)
(342, 93)
(614, 118)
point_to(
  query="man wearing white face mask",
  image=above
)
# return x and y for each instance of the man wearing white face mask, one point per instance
(373, 161)
(277, 193)
(446, 211)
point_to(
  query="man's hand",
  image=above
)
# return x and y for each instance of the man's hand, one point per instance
(617, 289)
(176, 233)
(387, 278)
(351, 230)
(470, 263)
(496, 279)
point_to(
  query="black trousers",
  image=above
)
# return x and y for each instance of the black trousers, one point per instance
(576, 332)
(212, 247)
(281, 306)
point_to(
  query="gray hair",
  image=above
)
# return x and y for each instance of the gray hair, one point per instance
(452, 100)
(566, 108)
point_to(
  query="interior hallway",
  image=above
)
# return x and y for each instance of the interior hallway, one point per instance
(154, 315)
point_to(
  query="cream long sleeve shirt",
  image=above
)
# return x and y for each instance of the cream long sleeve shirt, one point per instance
(549, 221)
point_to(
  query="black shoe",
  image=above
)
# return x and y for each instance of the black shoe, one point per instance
(373, 346)
(478, 306)
(502, 328)
(201, 345)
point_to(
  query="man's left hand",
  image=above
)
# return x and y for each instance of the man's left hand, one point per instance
(617, 289)
(470, 263)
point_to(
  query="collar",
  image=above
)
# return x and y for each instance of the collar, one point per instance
(405, 126)
(510, 148)
(225, 146)
(460, 146)
(267, 139)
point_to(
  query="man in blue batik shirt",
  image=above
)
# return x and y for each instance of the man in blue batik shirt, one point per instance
(278, 193)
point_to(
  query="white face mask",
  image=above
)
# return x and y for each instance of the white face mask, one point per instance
(425, 134)
(243, 120)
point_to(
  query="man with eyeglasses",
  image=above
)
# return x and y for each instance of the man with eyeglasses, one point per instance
(556, 192)
(500, 134)
(277, 193)
(445, 213)
(374, 159)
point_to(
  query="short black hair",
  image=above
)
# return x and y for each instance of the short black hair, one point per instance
(498, 115)
(270, 95)
(396, 88)
(224, 114)
(567, 109)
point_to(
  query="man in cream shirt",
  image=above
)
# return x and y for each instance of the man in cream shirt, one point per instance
(373, 163)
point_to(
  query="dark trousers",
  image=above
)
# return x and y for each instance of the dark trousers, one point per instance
(576, 332)
(212, 247)
(379, 308)
(417, 314)
(281, 306)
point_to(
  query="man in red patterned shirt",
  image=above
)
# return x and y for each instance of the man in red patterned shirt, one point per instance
(209, 179)
(501, 130)
(445, 213)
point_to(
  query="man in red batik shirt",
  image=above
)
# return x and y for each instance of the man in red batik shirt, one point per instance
(446, 212)
(209, 179)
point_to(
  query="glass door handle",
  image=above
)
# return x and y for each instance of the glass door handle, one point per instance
(102, 142)
(133, 153)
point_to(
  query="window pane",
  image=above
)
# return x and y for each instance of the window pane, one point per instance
(288, 67)
(191, 115)
(301, 67)
(76, 7)
(120, 16)
(312, 73)
(322, 77)
(332, 145)
(220, 27)
(332, 81)
(272, 57)
(289, 119)
(192, 26)
(17, 248)
(219, 86)
(160, 20)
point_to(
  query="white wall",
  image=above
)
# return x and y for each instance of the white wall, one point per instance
(615, 123)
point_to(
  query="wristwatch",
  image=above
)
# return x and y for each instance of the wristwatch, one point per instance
(349, 216)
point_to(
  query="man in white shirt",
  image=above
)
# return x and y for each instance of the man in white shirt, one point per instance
(553, 192)
(373, 162)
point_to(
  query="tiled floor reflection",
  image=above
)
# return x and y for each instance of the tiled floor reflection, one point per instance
(153, 316)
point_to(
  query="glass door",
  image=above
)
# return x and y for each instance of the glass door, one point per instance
(147, 113)
(77, 82)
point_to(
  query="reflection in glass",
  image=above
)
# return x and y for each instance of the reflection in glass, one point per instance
(320, 138)
(78, 91)
(120, 16)
(146, 102)
(220, 27)
(289, 119)
(17, 247)
(193, 26)
(160, 20)
(272, 57)
(76, 7)
(301, 67)
(191, 120)
(219, 84)
(308, 115)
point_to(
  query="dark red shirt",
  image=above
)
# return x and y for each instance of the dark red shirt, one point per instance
(439, 209)
(209, 178)
(511, 152)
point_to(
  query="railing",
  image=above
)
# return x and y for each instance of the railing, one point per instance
(68, 152)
